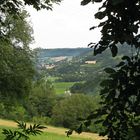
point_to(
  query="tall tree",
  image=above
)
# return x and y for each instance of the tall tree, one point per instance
(16, 64)
(41, 99)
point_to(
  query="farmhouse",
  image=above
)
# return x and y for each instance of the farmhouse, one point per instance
(49, 66)
(90, 62)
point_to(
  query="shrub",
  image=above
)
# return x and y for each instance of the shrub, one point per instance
(66, 112)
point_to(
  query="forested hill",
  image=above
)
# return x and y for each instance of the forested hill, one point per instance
(61, 52)
(43, 53)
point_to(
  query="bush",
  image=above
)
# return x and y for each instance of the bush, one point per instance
(66, 112)
(41, 120)
(41, 99)
(18, 113)
(77, 88)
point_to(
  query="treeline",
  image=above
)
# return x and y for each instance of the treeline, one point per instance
(42, 53)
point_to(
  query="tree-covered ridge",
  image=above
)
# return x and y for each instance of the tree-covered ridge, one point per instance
(48, 55)
(42, 53)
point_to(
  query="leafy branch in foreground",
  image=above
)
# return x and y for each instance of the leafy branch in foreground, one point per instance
(120, 94)
(23, 132)
(120, 104)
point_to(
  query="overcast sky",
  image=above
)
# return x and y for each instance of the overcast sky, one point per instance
(67, 26)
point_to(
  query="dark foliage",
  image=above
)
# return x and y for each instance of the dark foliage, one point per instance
(120, 110)
(66, 112)
(120, 24)
(121, 99)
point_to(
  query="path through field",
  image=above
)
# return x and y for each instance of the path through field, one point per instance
(56, 130)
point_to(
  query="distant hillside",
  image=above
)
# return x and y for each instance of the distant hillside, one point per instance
(43, 53)
(54, 56)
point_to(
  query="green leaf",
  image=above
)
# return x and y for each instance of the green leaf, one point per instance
(85, 2)
(100, 15)
(69, 132)
(109, 70)
(87, 123)
(134, 28)
(101, 24)
(126, 58)
(97, 0)
(80, 119)
(120, 64)
(91, 116)
(114, 50)
(79, 129)
(92, 28)
(105, 83)
(99, 121)
(104, 91)
(91, 45)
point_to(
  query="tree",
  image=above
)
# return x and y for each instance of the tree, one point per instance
(17, 70)
(121, 90)
(41, 99)
(14, 8)
(67, 111)
(16, 66)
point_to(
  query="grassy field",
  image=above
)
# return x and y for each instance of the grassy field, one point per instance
(61, 87)
(44, 136)
(52, 79)
(53, 136)
(51, 133)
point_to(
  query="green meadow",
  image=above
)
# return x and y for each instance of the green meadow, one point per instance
(47, 136)
(53, 136)
(61, 87)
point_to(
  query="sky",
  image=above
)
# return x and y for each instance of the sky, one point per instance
(67, 26)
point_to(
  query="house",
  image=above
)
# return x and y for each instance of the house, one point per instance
(49, 66)
(90, 62)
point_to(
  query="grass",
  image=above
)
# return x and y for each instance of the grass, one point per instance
(43, 136)
(52, 136)
(98, 64)
(51, 133)
(52, 79)
(61, 87)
